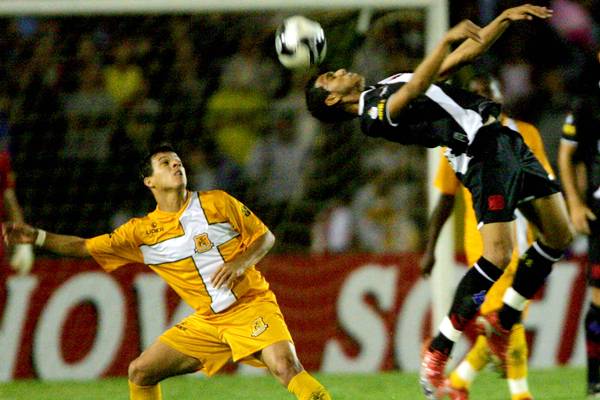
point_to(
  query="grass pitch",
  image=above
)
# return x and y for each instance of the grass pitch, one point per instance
(549, 384)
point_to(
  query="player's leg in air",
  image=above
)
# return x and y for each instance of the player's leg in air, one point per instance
(550, 217)
(461, 378)
(500, 178)
(469, 295)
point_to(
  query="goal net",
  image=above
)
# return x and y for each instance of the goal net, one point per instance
(90, 84)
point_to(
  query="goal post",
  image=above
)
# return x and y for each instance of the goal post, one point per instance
(436, 23)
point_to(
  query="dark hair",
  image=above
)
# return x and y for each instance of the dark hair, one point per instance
(315, 101)
(146, 168)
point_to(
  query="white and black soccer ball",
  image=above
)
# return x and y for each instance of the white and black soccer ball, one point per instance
(300, 43)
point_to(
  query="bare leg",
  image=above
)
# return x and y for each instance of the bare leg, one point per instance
(159, 362)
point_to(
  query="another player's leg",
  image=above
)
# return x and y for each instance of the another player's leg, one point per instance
(282, 361)
(592, 331)
(156, 363)
(461, 378)
(516, 364)
(469, 295)
(551, 219)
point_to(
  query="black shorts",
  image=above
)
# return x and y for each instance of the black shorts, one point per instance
(502, 173)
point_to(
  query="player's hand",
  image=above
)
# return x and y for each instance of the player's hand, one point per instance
(526, 12)
(466, 29)
(580, 216)
(427, 263)
(18, 233)
(22, 258)
(228, 274)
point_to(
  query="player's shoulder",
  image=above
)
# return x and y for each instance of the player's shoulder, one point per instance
(213, 195)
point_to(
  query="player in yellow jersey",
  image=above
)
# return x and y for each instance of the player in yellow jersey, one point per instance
(205, 245)
(478, 357)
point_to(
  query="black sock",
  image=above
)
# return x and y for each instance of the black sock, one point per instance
(592, 343)
(534, 266)
(468, 297)
(442, 343)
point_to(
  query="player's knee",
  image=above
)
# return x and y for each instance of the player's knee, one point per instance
(286, 367)
(139, 375)
(500, 257)
(560, 239)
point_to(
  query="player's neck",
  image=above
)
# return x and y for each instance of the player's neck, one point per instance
(171, 201)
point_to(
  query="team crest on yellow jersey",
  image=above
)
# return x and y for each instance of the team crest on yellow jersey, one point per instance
(202, 243)
(258, 327)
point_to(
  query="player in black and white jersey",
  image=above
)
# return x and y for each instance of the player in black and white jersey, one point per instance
(492, 161)
(580, 144)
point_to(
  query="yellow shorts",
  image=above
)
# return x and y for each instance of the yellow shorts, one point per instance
(235, 334)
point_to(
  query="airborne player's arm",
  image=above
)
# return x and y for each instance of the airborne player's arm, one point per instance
(427, 71)
(470, 49)
(18, 233)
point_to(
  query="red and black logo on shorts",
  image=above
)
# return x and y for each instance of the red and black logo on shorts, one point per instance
(496, 202)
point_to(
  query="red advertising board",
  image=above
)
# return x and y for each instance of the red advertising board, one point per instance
(352, 312)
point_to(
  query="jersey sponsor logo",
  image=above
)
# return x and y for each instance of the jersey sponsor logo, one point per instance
(181, 327)
(496, 202)
(479, 298)
(203, 243)
(381, 110)
(569, 130)
(258, 327)
(154, 228)
(246, 211)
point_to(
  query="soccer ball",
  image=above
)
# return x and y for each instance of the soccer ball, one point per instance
(300, 43)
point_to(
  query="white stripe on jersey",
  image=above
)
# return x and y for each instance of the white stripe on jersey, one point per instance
(194, 223)
(469, 120)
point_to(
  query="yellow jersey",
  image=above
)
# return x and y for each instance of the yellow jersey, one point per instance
(186, 248)
(447, 182)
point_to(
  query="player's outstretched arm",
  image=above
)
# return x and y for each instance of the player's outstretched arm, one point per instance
(426, 73)
(19, 233)
(469, 50)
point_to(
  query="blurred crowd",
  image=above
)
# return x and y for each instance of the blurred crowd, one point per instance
(82, 98)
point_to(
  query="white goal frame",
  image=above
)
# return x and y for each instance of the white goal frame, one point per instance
(436, 23)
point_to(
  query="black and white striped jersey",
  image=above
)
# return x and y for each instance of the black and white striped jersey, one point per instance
(582, 129)
(443, 116)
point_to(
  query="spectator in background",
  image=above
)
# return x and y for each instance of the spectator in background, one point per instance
(381, 210)
(276, 166)
(123, 78)
(333, 228)
(90, 113)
